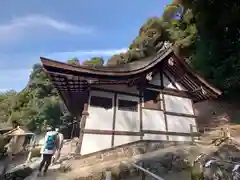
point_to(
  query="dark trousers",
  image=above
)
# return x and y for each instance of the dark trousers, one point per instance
(46, 161)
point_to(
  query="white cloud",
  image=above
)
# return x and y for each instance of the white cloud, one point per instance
(17, 79)
(19, 27)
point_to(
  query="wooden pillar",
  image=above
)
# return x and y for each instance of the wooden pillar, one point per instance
(83, 123)
(191, 133)
(141, 114)
(114, 118)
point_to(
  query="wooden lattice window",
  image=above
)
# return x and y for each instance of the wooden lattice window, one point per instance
(151, 100)
(102, 102)
(127, 105)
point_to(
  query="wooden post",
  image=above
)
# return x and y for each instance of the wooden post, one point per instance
(29, 156)
(32, 144)
(191, 133)
(228, 133)
(163, 101)
(82, 124)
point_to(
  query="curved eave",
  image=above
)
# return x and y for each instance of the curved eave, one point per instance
(122, 74)
(130, 69)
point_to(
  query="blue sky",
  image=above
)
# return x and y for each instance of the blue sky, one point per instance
(64, 29)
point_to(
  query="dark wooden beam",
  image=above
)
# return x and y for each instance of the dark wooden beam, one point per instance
(114, 117)
(141, 112)
(171, 133)
(130, 133)
(170, 80)
(114, 91)
(180, 114)
(163, 101)
(110, 132)
(168, 91)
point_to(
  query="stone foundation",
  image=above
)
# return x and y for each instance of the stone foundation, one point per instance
(168, 162)
(127, 150)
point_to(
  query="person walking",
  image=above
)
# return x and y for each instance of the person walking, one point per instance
(59, 146)
(48, 150)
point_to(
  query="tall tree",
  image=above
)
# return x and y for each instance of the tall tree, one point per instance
(73, 61)
(94, 61)
(217, 47)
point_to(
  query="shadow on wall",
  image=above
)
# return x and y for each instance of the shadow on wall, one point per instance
(217, 112)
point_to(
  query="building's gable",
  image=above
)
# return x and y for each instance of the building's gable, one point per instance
(168, 81)
(156, 80)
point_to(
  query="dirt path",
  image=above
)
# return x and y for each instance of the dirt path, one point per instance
(75, 172)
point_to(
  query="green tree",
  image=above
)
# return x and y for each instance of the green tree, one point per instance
(217, 48)
(7, 100)
(73, 61)
(37, 105)
(94, 61)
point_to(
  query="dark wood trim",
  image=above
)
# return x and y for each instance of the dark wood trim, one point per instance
(169, 133)
(140, 111)
(164, 113)
(113, 91)
(163, 101)
(170, 80)
(111, 132)
(172, 113)
(173, 92)
(114, 117)
(130, 133)
(152, 108)
(83, 121)
(161, 77)
(180, 114)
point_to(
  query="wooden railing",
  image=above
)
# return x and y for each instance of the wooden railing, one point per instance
(146, 172)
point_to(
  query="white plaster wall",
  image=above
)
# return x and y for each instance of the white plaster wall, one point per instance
(179, 138)
(100, 118)
(95, 142)
(127, 120)
(156, 80)
(178, 104)
(119, 88)
(153, 120)
(120, 140)
(180, 124)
